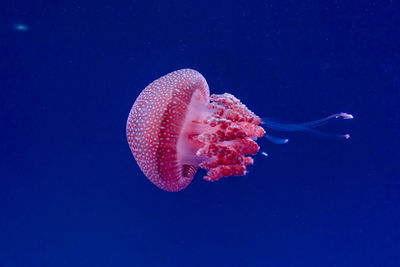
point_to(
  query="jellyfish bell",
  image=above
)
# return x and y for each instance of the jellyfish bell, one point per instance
(175, 127)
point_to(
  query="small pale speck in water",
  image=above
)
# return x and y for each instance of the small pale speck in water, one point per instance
(21, 27)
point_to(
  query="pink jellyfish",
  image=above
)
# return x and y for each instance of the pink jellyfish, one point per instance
(175, 126)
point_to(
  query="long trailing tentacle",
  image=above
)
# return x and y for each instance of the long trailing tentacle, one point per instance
(304, 127)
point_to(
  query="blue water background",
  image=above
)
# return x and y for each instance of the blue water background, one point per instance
(71, 193)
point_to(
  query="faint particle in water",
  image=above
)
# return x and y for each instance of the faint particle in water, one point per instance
(326, 66)
(21, 27)
(391, 71)
(175, 126)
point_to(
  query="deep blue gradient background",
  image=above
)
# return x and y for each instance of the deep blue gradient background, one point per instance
(71, 193)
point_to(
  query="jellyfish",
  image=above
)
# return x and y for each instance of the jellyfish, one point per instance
(175, 127)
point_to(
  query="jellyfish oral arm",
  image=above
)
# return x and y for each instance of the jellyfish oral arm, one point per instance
(228, 131)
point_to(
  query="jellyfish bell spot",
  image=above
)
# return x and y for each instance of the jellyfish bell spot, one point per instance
(175, 126)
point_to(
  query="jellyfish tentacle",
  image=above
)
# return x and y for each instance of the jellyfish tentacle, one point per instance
(276, 140)
(304, 127)
(329, 135)
(293, 127)
(325, 120)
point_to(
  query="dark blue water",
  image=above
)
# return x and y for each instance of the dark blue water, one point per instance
(71, 193)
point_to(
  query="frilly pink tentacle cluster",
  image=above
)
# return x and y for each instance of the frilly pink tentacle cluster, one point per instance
(234, 130)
